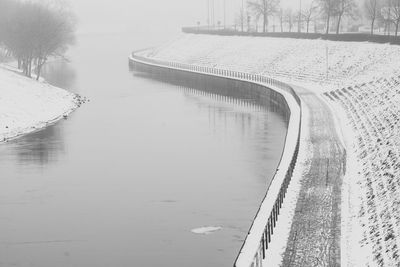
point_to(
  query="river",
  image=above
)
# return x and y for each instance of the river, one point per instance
(128, 176)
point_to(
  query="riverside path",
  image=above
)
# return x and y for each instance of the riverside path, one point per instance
(314, 238)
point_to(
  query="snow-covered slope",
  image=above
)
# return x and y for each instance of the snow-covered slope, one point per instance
(27, 105)
(372, 111)
(361, 81)
(326, 64)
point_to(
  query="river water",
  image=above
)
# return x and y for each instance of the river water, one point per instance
(126, 178)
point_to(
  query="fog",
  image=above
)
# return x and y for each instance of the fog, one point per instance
(157, 16)
(153, 17)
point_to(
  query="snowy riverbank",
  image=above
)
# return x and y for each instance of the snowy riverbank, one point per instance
(363, 87)
(27, 105)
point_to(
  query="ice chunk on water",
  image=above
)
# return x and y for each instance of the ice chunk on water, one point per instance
(206, 230)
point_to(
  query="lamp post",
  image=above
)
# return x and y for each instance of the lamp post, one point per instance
(208, 14)
(224, 14)
(242, 16)
(213, 13)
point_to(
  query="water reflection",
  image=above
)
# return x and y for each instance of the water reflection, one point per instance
(47, 145)
(59, 72)
(230, 91)
(39, 148)
(254, 115)
(251, 120)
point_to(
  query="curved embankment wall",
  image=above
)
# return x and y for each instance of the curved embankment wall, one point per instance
(264, 91)
(236, 89)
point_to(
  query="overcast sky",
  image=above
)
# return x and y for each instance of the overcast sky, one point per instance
(151, 15)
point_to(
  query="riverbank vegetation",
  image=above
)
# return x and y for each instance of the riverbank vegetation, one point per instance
(33, 32)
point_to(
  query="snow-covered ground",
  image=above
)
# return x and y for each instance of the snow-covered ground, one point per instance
(361, 82)
(373, 112)
(327, 64)
(27, 105)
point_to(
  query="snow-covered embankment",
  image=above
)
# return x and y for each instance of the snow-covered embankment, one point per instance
(27, 105)
(362, 85)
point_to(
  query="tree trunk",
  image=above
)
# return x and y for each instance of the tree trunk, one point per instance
(315, 26)
(299, 23)
(264, 22)
(25, 67)
(30, 68)
(308, 24)
(372, 26)
(397, 27)
(327, 24)
(39, 68)
(338, 23)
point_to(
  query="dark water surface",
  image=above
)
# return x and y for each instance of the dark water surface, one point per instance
(126, 178)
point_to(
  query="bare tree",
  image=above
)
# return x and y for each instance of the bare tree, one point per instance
(344, 7)
(386, 16)
(299, 18)
(281, 18)
(394, 15)
(36, 31)
(5, 6)
(289, 18)
(329, 9)
(372, 8)
(263, 8)
(310, 13)
(240, 19)
(256, 20)
(19, 35)
(55, 32)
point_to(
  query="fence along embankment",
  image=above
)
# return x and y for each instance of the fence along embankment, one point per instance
(261, 231)
(342, 37)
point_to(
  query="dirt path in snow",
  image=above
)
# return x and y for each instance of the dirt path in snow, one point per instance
(314, 238)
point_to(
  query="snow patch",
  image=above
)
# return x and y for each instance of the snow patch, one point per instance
(27, 105)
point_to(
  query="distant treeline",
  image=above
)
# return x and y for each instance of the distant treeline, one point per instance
(32, 32)
(317, 16)
(347, 37)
